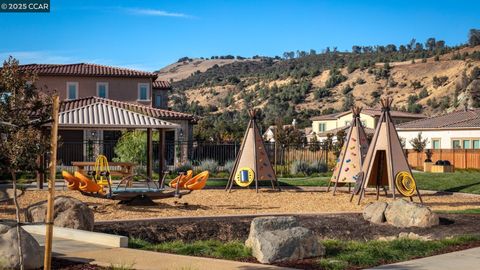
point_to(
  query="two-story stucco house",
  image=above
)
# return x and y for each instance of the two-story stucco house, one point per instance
(332, 123)
(113, 86)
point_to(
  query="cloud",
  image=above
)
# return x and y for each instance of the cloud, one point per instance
(155, 12)
(46, 57)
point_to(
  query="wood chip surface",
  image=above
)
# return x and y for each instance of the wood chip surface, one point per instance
(214, 202)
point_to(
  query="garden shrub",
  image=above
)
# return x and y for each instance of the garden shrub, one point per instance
(301, 167)
(228, 167)
(183, 167)
(208, 165)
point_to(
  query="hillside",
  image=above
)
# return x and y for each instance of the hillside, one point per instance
(428, 82)
(183, 69)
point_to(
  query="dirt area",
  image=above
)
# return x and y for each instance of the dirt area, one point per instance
(215, 202)
(326, 226)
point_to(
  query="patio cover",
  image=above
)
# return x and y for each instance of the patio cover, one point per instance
(106, 116)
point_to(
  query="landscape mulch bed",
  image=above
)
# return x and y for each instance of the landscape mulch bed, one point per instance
(325, 226)
(241, 201)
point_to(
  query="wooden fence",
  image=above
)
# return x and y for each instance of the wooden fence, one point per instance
(459, 158)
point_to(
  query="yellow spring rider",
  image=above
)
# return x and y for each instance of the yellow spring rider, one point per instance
(101, 178)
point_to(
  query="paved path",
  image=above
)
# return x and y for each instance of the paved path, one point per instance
(462, 260)
(139, 259)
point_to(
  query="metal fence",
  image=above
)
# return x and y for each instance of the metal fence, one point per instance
(193, 152)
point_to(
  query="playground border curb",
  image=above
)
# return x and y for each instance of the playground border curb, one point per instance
(97, 238)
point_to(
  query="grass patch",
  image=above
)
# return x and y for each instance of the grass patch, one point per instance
(339, 254)
(465, 211)
(233, 250)
(460, 181)
(354, 254)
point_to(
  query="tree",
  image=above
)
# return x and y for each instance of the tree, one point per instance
(430, 44)
(25, 111)
(314, 145)
(348, 102)
(474, 37)
(419, 143)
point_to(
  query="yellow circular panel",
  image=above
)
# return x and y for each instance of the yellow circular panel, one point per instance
(244, 177)
(405, 184)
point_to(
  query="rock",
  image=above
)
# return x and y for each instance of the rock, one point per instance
(69, 213)
(279, 239)
(6, 194)
(375, 212)
(9, 256)
(401, 213)
(413, 236)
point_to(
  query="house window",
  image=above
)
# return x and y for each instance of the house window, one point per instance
(158, 101)
(143, 92)
(436, 143)
(321, 127)
(72, 90)
(102, 89)
(456, 144)
(466, 144)
(476, 144)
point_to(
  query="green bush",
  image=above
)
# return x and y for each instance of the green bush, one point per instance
(132, 148)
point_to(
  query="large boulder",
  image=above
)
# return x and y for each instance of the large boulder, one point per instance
(401, 213)
(68, 212)
(278, 239)
(375, 212)
(9, 255)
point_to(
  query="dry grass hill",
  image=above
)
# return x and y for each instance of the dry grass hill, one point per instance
(435, 81)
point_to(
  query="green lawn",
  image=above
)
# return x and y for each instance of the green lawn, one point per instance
(459, 181)
(339, 254)
(233, 250)
(356, 254)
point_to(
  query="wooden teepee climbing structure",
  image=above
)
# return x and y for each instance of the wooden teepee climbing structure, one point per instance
(354, 150)
(252, 163)
(385, 164)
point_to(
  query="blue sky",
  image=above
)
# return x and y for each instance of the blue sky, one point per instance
(148, 35)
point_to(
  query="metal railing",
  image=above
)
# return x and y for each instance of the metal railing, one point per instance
(193, 152)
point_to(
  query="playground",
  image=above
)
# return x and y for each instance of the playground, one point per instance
(217, 202)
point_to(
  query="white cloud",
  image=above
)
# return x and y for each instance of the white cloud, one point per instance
(46, 57)
(155, 12)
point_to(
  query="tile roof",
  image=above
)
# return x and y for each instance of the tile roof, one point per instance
(146, 110)
(457, 119)
(103, 115)
(84, 69)
(371, 112)
(344, 128)
(161, 85)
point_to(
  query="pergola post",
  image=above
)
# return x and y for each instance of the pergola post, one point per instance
(161, 153)
(149, 153)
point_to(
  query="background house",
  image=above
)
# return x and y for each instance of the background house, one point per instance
(455, 130)
(332, 123)
(83, 80)
(83, 84)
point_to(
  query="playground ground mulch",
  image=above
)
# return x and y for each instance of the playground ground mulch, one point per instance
(216, 202)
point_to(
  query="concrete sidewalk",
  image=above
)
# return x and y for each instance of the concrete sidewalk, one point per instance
(140, 259)
(468, 259)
